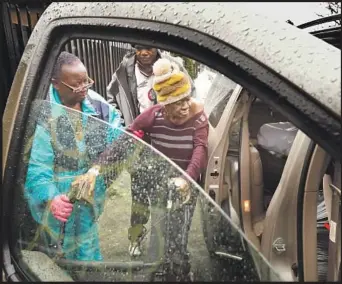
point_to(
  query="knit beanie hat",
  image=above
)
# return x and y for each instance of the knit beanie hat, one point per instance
(169, 83)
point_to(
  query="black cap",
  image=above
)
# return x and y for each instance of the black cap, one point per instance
(140, 46)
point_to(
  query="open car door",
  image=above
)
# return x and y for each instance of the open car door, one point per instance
(225, 104)
(289, 241)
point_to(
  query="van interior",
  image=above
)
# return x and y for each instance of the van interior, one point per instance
(256, 128)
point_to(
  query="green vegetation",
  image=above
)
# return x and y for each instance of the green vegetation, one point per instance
(190, 65)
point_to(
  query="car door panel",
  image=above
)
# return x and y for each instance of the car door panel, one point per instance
(278, 242)
(218, 182)
(250, 203)
(217, 148)
(334, 257)
(317, 168)
(38, 261)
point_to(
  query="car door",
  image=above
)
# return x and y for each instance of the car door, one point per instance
(36, 245)
(249, 68)
(289, 241)
(279, 239)
(40, 258)
(223, 103)
(32, 255)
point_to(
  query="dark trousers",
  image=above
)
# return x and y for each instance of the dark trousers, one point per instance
(145, 190)
(149, 197)
(169, 238)
(140, 208)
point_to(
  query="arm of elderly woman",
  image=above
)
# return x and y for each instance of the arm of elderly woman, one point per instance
(199, 157)
(123, 147)
(110, 162)
(200, 153)
(145, 121)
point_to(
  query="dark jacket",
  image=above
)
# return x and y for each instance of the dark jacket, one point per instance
(122, 90)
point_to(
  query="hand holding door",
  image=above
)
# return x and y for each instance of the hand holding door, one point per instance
(183, 188)
(83, 186)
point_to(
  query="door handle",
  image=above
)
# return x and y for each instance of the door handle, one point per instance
(214, 174)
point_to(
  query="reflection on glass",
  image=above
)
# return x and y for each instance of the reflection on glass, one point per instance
(95, 242)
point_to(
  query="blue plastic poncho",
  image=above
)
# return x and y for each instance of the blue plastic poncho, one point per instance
(56, 158)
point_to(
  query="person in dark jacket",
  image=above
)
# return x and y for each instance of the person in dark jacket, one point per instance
(131, 86)
(131, 90)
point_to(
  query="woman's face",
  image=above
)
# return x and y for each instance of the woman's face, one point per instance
(179, 109)
(72, 75)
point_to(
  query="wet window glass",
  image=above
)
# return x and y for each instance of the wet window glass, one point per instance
(98, 202)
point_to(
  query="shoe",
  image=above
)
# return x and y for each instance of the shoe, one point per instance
(191, 277)
(186, 278)
(134, 249)
(134, 246)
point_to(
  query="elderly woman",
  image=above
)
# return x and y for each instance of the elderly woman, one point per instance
(178, 128)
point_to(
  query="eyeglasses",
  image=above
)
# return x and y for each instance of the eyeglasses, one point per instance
(79, 89)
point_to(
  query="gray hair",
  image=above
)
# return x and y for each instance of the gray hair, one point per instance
(65, 58)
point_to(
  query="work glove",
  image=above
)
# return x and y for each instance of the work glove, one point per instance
(85, 185)
(183, 188)
(61, 207)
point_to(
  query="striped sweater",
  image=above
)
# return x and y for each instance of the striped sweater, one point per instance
(185, 144)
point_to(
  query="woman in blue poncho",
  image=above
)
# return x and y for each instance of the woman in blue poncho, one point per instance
(65, 141)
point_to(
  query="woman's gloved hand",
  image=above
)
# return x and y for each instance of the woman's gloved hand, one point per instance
(61, 207)
(183, 188)
(139, 133)
(86, 182)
